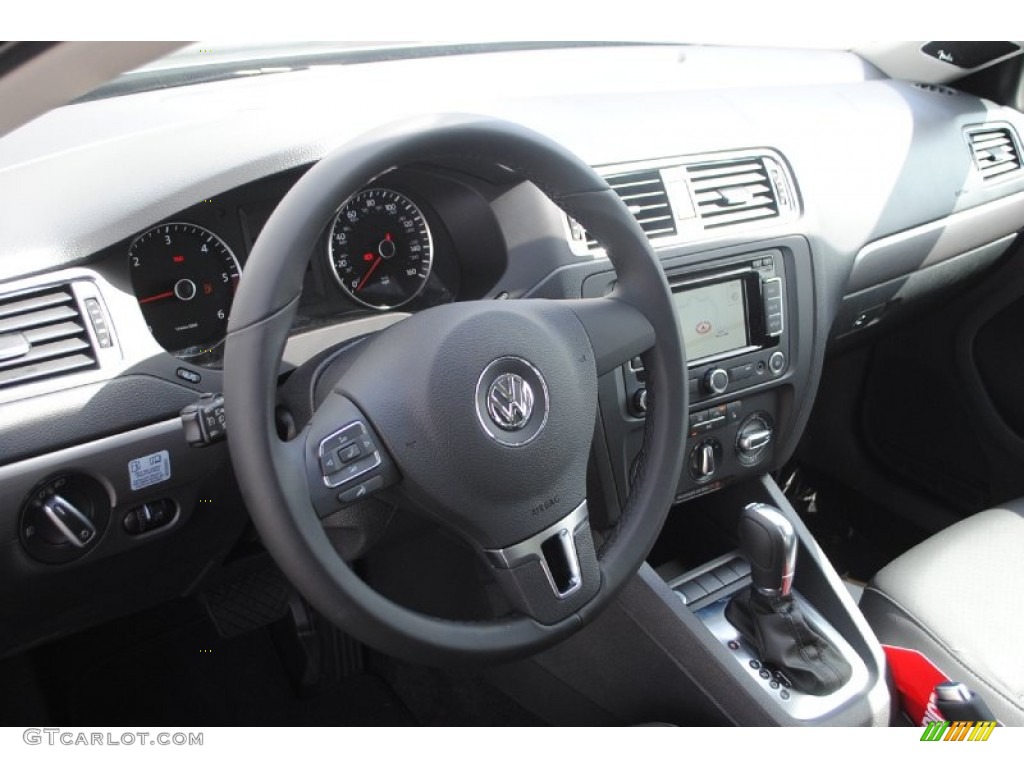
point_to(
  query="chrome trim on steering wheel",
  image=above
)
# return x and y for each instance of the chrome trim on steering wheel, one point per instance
(564, 533)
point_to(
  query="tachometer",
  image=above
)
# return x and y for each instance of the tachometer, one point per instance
(380, 249)
(184, 277)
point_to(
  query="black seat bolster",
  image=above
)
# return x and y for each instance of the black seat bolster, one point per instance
(959, 599)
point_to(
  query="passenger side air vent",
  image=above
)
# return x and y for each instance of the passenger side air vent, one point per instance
(732, 191)
(644, 194)
(42, 335)
(995, 151)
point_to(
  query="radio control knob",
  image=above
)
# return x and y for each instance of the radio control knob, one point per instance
(777, 363)
(716, 381)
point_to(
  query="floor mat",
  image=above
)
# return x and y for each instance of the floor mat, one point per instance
(189, 676)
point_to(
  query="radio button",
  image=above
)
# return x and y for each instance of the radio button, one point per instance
(772, 288)
(777, 363)
(741, 372)
(773, 324)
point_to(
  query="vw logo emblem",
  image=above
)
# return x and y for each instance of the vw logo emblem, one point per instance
(510, 402)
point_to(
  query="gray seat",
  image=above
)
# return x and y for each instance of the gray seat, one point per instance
(959, 599)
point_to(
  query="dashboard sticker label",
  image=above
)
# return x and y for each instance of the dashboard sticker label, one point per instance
(149, 470)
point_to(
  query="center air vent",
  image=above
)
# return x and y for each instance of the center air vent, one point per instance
(995, 152)
(42, 335)
(732, 191)
(644, 194)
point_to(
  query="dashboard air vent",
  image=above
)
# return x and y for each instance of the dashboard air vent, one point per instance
(644, 194)
(732, 192)
(945, 90)
(995, 150)
(42, 335)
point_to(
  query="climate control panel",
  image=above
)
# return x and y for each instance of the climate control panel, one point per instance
(727, 440)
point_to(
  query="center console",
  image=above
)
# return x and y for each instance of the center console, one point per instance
(740, 322)
(700, 636)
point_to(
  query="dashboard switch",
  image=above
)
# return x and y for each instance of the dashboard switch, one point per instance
(640, 401)
(148, 517)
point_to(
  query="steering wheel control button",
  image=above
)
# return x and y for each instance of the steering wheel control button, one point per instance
(512, 401)
(329, 463)
(350, 453)
(339, 455)
(362, 490)
(777, 363)
(205, 421)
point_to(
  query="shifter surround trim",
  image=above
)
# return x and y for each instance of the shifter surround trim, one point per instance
(802, 706)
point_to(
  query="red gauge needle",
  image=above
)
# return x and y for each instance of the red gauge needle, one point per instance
(157, 297)
(368, 273)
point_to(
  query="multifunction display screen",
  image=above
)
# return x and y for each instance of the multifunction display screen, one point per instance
(713, 319)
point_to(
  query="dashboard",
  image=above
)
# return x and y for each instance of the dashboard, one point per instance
(805, 209)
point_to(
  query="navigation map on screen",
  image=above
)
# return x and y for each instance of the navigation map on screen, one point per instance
(713, 318)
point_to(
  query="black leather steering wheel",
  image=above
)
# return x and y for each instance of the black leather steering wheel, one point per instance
(482, 411)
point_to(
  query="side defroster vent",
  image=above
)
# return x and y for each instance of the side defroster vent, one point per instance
(42, 335)
(733, 191)
(995, 151)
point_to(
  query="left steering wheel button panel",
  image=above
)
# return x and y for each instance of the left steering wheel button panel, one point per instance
(338, 453)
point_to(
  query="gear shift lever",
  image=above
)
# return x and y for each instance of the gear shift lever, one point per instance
(769, 617)
(769, 543)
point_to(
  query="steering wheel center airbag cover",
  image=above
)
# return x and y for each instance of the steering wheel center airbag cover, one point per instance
(422, 381)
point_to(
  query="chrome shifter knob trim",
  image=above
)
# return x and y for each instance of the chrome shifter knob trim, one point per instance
(769, 542)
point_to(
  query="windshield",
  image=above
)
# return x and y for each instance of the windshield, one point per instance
(209, 61)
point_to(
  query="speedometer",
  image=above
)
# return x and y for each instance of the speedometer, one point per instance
(380, 249)
(184, 278)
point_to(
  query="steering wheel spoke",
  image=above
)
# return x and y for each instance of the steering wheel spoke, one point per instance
(345, 459)
(551, 574)
(618, 332)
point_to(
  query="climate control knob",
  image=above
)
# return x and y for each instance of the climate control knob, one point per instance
(705, 458)
(753, 438)
(716, 381)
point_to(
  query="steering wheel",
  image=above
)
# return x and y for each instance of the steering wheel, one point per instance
(482, 412)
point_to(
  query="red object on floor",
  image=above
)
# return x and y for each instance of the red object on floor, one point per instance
(915, 677)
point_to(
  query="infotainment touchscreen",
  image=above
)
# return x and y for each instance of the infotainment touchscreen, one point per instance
(713, 318)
